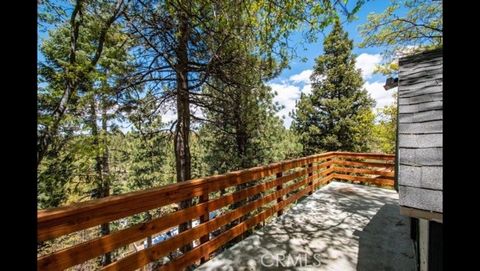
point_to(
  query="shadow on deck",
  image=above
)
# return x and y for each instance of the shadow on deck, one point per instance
(340, 227)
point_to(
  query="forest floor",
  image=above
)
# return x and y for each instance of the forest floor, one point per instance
(341, 226)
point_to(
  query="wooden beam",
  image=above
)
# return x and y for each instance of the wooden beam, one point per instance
(204, 218)
(374, 156)
(364, 164)
(378, 181)
(279, 187)
(418, 213)
(364, 171)
(311, 182)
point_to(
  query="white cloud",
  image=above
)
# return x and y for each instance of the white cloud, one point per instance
(286, 95)
(169, 115)
(288, 92)
(377, 92)
(303, 77)
(367, 62)
(307, 89)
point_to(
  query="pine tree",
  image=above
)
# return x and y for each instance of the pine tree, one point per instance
(241, 122)
(242, 130)
(85, 62)
(337, 115)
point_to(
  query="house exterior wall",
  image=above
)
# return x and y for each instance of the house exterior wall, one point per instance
(420, 132)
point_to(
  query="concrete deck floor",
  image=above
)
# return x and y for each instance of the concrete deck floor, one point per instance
(340, 227)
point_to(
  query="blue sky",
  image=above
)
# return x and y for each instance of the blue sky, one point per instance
(295, 80)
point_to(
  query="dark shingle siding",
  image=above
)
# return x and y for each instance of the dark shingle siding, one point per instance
(420, 87)
(424, 78)
(422, 176)
(420, 141)
(420, 156)
(429, 127)
(419, 117)
(419, 71)
(433, 56)
(421, 91)
(421, 107)
(419, 198)
(420, 131)
(428, 97)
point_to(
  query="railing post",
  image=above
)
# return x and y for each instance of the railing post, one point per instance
(310, 183)
(203, 219)
(280, 199)
(329, 167)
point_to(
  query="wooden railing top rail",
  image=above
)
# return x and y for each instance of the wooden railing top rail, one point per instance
(94, 212)
(57, 222)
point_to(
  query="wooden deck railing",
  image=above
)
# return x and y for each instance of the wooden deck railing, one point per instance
(278, 185)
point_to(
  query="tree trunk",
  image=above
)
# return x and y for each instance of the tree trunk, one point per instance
(182, 129)
(105, 228)
(46, 138)
(241, 145)
(241, 140)
(102, 188)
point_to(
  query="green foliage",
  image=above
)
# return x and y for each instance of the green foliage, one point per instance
(337, 115)
(80, 144)
(288, 144)
(149, 148)
(242, 129)
(200, 163)
(385, 130)
(420, 29)
(53, 177)
(244, 132)
(148, 161)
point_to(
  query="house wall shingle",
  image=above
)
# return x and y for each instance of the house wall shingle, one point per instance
(420, 131)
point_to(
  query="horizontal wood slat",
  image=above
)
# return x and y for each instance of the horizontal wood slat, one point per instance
(364, 171)
(207, 248)
(157, 251)
(323, 168)
(373, 156)
(378, 181)
(87, 250)
(364, 164)
(52, 223)
(319, 166)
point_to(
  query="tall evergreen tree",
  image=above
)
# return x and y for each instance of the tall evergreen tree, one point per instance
(68, 111)
(85, 61)
(71, 60)
(239, 116)
(242, 130)
(337, 115)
